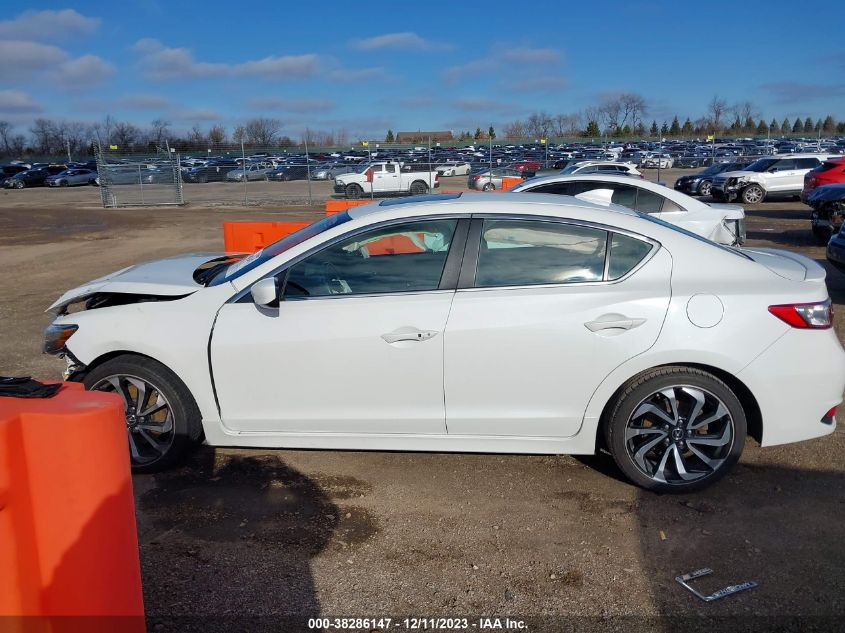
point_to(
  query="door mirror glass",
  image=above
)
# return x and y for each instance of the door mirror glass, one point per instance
(264, 292)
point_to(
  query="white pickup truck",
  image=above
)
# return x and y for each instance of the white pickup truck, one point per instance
(387, 178)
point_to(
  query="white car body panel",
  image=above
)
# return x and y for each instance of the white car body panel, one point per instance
(767, 355)
(716, 222)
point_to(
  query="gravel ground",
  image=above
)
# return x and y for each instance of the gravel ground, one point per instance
(561, 542)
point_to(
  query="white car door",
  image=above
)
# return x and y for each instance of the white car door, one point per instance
(544, 319)
(783, 176)
(354, 346)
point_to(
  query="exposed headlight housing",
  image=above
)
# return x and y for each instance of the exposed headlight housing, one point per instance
(56, 337)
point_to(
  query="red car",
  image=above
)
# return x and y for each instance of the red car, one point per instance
(830, 172)
(525, 165)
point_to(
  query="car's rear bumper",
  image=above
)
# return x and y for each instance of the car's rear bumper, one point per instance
(796, 381)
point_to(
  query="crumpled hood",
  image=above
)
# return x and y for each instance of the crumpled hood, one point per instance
(169, 277)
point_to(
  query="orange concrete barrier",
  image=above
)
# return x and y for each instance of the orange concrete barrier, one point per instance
(510, 183)
(336, 206)
(248, 237)
(68, 541)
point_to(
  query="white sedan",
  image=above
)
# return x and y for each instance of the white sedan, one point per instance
(458, 168)
(722, 223)
(495, 323)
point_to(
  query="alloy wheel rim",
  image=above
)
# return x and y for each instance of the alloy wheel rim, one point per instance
(149, 416)
(679, 435)
(753, 195)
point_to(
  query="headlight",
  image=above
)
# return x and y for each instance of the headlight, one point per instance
(56, 337)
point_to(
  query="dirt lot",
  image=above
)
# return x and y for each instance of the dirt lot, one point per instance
(563, 542)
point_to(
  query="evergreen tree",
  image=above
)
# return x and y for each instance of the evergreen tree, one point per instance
(389, 138)
(797, 127)
(762, 128)
(491, 133)
(840, 127)
(654, 129)
(478, 133)
(639, 130)
(773, 126)
(808, 125)
(675, 130)
(664, 129)
(749, 125)
(687, 130)
(828, 125)
(592, 129)
(818, 126)
(784, 127)
(626, 131)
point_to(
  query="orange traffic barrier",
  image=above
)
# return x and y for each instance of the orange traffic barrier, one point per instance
(68, 541)
(336, 206)
(248, 237)
(510, 183)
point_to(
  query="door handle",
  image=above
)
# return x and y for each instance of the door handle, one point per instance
(409, 334)
(614, 322)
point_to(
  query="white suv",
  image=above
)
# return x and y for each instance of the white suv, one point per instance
(772, 175)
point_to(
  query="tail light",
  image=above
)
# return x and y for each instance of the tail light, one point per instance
(805, 316)
(437, 176)
(476, 177)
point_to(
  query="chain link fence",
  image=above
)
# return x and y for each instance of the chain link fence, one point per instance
(138, 180)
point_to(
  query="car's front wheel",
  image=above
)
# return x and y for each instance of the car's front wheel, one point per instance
(162, 418)
(675, 429)
(704, 188)
(753, 194)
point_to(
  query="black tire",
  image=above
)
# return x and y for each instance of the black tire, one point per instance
(822, 235)
(20, 184)
(182, 411)
(353, 191)
(202, 178)
(753, 194)
(704, 188)
(670, 440)
(63, 183)
(419, 188)
(489, 187)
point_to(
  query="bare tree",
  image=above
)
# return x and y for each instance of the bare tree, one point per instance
(217, 135)
(42, 135)
(515, 129)
(239, 135)
(125, 135)
(716, 109)
(262, 131)
(159, 131)
(745, 110)
(196, 135)
(5, 133)
(342, 137)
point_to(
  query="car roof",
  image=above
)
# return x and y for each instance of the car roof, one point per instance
(606, 177)
(474, 203)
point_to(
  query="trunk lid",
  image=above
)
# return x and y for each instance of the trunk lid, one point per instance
(787, 265)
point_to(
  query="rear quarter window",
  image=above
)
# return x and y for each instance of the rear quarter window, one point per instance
(625, 254)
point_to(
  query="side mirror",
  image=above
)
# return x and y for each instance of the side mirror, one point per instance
(773, 170)
(265, 293)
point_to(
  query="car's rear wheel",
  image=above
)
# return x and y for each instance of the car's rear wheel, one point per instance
(704, 188)
(753, 194)
(675, 429)
(418, 188)
(353, 191)
(162, 418)
(488, 187)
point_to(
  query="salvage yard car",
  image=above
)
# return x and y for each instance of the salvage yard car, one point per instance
(766, 177)
(496, 323)
(388, 178)
(71, 178)
(699, 184)
(722, 223)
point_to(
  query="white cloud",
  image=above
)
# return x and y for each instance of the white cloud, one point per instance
(143, 102)
(483, 104)
(164, 63)
(355, 75)
(83, 72)
(405, 40)
(48, 25)
(292, 105)
(20, 58)
(535, 62)
(18, 102)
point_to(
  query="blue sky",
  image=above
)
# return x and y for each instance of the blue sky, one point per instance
(368, 66)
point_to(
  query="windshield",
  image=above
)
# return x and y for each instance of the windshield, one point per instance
(570, 170)
(236, 269)
(761, 164)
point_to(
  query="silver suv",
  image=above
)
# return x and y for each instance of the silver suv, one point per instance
(769, 176)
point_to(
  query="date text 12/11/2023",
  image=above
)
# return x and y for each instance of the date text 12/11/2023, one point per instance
(383, 624)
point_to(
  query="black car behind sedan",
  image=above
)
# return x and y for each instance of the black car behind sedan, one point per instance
(699, 184)
(32, 177)
(288, 172)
